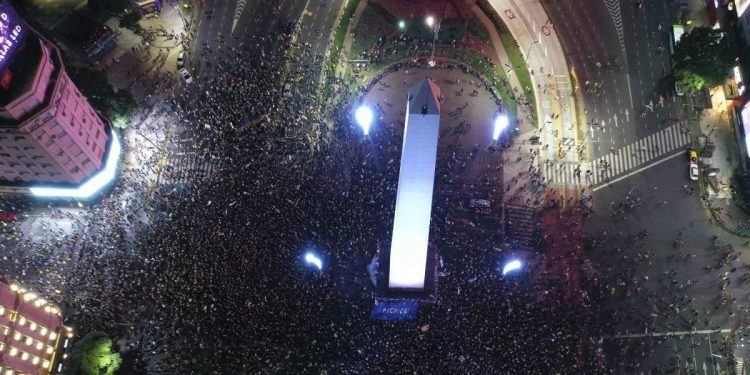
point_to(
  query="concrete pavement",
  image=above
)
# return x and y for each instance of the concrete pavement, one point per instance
(528, 22)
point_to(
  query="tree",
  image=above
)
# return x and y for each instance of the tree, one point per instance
(110, 6)
(93, 355)
(118, 106)
(704, 57)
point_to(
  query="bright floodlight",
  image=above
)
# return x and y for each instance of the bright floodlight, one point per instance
(513, 265)
(94, 184)
(401, 24)
(501, 122)
(363, 115)
(430, 21)
(311, 258)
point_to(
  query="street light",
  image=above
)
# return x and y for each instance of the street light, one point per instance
(401, 24)
(501, 123)
(314, 260)
(512, 266)
(363, 116)
(435, 27)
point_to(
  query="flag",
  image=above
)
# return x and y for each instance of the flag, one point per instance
(395, 310)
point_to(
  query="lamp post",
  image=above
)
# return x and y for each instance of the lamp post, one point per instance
(501, 123)
(435, 27)
(526, 58)
(363, 115)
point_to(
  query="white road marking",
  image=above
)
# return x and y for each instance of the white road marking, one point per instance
(636, 171)
(672, 333)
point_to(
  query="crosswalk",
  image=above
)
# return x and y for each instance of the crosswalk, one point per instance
(619, 161)
(184, 168)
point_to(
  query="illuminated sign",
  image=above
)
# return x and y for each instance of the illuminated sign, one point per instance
(12, 32)
(745, 114)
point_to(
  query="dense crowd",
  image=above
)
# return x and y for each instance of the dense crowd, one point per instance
(208, 278)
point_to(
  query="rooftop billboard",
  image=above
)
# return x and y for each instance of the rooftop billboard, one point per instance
(12, 32)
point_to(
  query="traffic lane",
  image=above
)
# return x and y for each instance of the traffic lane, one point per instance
(326, 22)
(211, 23)
(583, 34)
(672, 354)
(643, 39)
(586, 31)
(317, 24)
(261, 18)
(668, 212)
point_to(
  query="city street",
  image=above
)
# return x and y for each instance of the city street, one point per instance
(224, 190)
(613, 46)
(661, 233)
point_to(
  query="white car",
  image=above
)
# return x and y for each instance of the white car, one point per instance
(693, 171)
(186, 76)
(678, 89)
(181, 60)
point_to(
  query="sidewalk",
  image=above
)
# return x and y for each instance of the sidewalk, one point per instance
(719, 199)
(139, 61)
(528, 23)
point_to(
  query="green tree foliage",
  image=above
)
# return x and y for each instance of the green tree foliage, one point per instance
(130, 19)
(110, 6)
(704, 57)
(93, 355)
(117, 106)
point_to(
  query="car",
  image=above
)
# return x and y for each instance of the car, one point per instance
(692, 155)
(479, 203)
(678, 89)
(693, 171)
(186, 76)
(181, 60)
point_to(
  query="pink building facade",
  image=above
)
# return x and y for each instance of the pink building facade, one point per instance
(49, 133)
(32, 335)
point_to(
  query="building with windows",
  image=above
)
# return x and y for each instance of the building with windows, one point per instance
(49, 133)
(32, 335)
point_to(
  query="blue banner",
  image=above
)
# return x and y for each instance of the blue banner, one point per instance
(395, 310)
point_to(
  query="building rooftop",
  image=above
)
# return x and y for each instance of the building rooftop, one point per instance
(31, 331)
(23, 67)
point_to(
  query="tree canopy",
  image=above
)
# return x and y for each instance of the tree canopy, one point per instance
(93, 355)
(112, 6)
(704, 57)
(117, 106)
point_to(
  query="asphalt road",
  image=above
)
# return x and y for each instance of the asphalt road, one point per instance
(660, 287)
(613, 45)
(229, 23)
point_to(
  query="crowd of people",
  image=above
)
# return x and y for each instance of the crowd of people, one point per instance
(209, 277)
